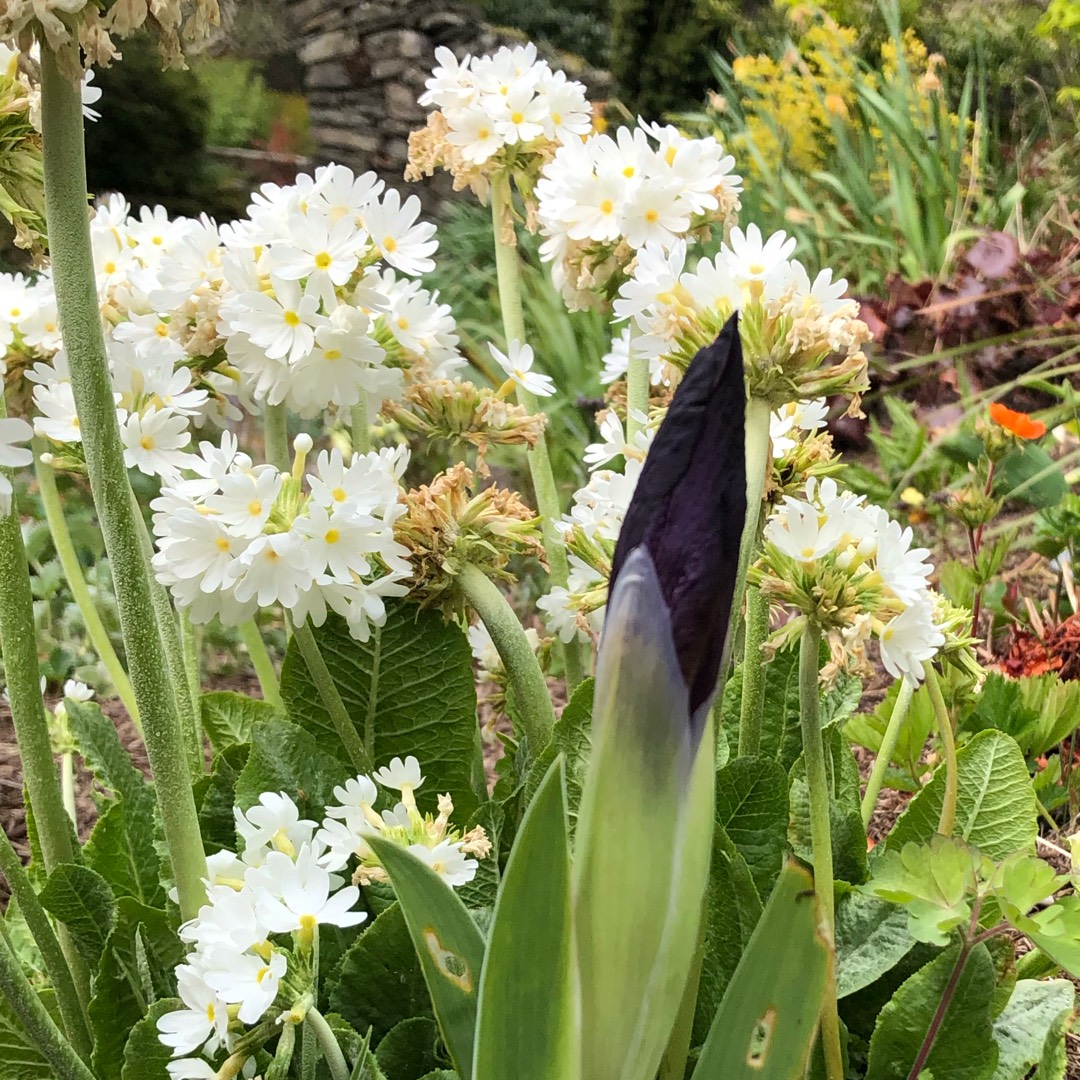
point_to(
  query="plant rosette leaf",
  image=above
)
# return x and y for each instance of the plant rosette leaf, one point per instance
(1031, 1027)
(871, 938)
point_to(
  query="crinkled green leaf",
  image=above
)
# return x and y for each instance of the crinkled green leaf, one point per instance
(964, 1048)
(108, 851)
(1030, 1022)
(215, 798)
(410, 1050)
(871, 938)
(995, 809)
(228, 717)
(20, 1058)
(81, 899)
(409, 690)
(752, 809)
(145, 1055)
(868, 729)
(378, 982)
(284, 757)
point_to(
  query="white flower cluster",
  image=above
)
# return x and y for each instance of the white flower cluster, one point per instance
(509, 99)
(786, 424)
(9, 68)
(237, 536)
(487, 655)
(601, 199)
(839, 531)
(12, 432)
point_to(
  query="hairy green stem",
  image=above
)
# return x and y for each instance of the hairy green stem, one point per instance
(817, 782)
(76, 582)
(752, 704)
(335, 1059)
(253, 641)
(547, 494)
(530, 692)
(80, 318)
(947, 821)
(189, 643)
(309, 1050)
(67, 786)
(46, 1037)
(361, 429)
(637, 391)
(888, 748)
(359, 755)
(276, 436)
(72, 1007)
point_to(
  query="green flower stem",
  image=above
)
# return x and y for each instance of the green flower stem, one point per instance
(888, 748)
(276, 436)
(753, 672)
(335, 1059)
(360, 755)
(361, 429)
(73, 277)
(67, 786)
(187, 703)
(637, 390)
(35, 1018)
(530, 692)
(72, 1007)
(189, 644)
(261, 662)
(76, 582)
(817, 781)
(309, 1050)
(547, 494)
(947, 821)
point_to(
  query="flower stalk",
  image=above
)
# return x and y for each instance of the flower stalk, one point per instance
(361, 429)
(901, 707)
(76, 582)
(817, 781)
(530, 692)
(547, 494)
(73, 274)
(259, 655)
(947, 821)
(331, 1051)
(276, 436)
(753, 672)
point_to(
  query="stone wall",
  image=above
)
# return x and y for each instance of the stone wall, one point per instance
(365, 64)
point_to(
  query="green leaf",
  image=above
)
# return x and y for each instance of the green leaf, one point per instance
(120, 1000)
(215, 797)
(1056, 930)
(995, 810)
(1000, 707)
(81, 899)
(732, 910)
(145, 1055)
(378, 982)
(20, 1058)
(1030, 1024)
(409, 1051)
(964, 1048)
(766, 1024)
(528, 967)
(409, 690)
(868, 729)
(284, 757)
(356, 1050)
(228, 718)
(446, 940)
(1030, 475)
(752, 809)
(484, 887)
(100, 746)
(1023, 881)
(871, 938)
(108, 852)
(845, 816)
(570, 737)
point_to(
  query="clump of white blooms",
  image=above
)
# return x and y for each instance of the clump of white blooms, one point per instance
(251, 945)
(12, 432)
(854, 571)
(503, 112)
(236, 536)
(603, 199)
(787, 424)
(801, 337)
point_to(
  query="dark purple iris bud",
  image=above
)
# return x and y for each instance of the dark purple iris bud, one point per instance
(689, 508)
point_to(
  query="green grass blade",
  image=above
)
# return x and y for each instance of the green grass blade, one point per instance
(526, 1027)
(447, 941)
(766, 1023)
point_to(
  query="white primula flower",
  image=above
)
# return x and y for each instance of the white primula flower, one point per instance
(12, 431)
(283, 324)
(246, 499)
(59, 420)
(803, 532)
(402, 241)
(154, 440)
(401, 775)
(205, 1021)
(74, 690)
(275, 821)
(448, 861)
(248, 981)
(358, 793)
(324, 252)
(345, 839)
(903, 569)
(614, 440)
(296, 895)
(753, 261)
(190, 1069)
(909, 639)
(517, 362)
(798, 416)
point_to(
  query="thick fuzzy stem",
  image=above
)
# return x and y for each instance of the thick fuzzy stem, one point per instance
(276, 436)
(76, 582)
(261, 662)
(817, 782)
(361, 429)
(543, 479)
(76, 295)
(947, 821)
(331, 1051)
(531, 697)
(637, 391)
(753, 672)
(887, 748)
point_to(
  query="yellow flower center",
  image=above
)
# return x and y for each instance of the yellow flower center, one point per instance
(161, 330)
(291, 318)
(272, 556)
(15, 312)
(332, 354)
(669, 155)
(403, 323)
(808, 552)
(887, 634)
(210, 1012)
(389, 243)
(556, 118)
(332, 536)
(109, 267)
(484, 133)
(323, 260)
(254, 508)
(223, 543)
(147, 442)
(517, 118)
(651, 216)
(756, 269)
(629, 171)
(339, 494)
(261, 974)
(158, 240)
(74, 421)
(308, 922)
(607, 206)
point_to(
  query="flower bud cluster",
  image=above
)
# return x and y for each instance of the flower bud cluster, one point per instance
(801, 338)
(848, 567)
(506, 112)
(238, 536)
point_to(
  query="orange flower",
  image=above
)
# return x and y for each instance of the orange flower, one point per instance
(1019, 423)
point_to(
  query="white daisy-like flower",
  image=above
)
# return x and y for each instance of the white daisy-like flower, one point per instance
(400, 775)
(909, 639)
(12, 456)
(448, 861)
(517, 362)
